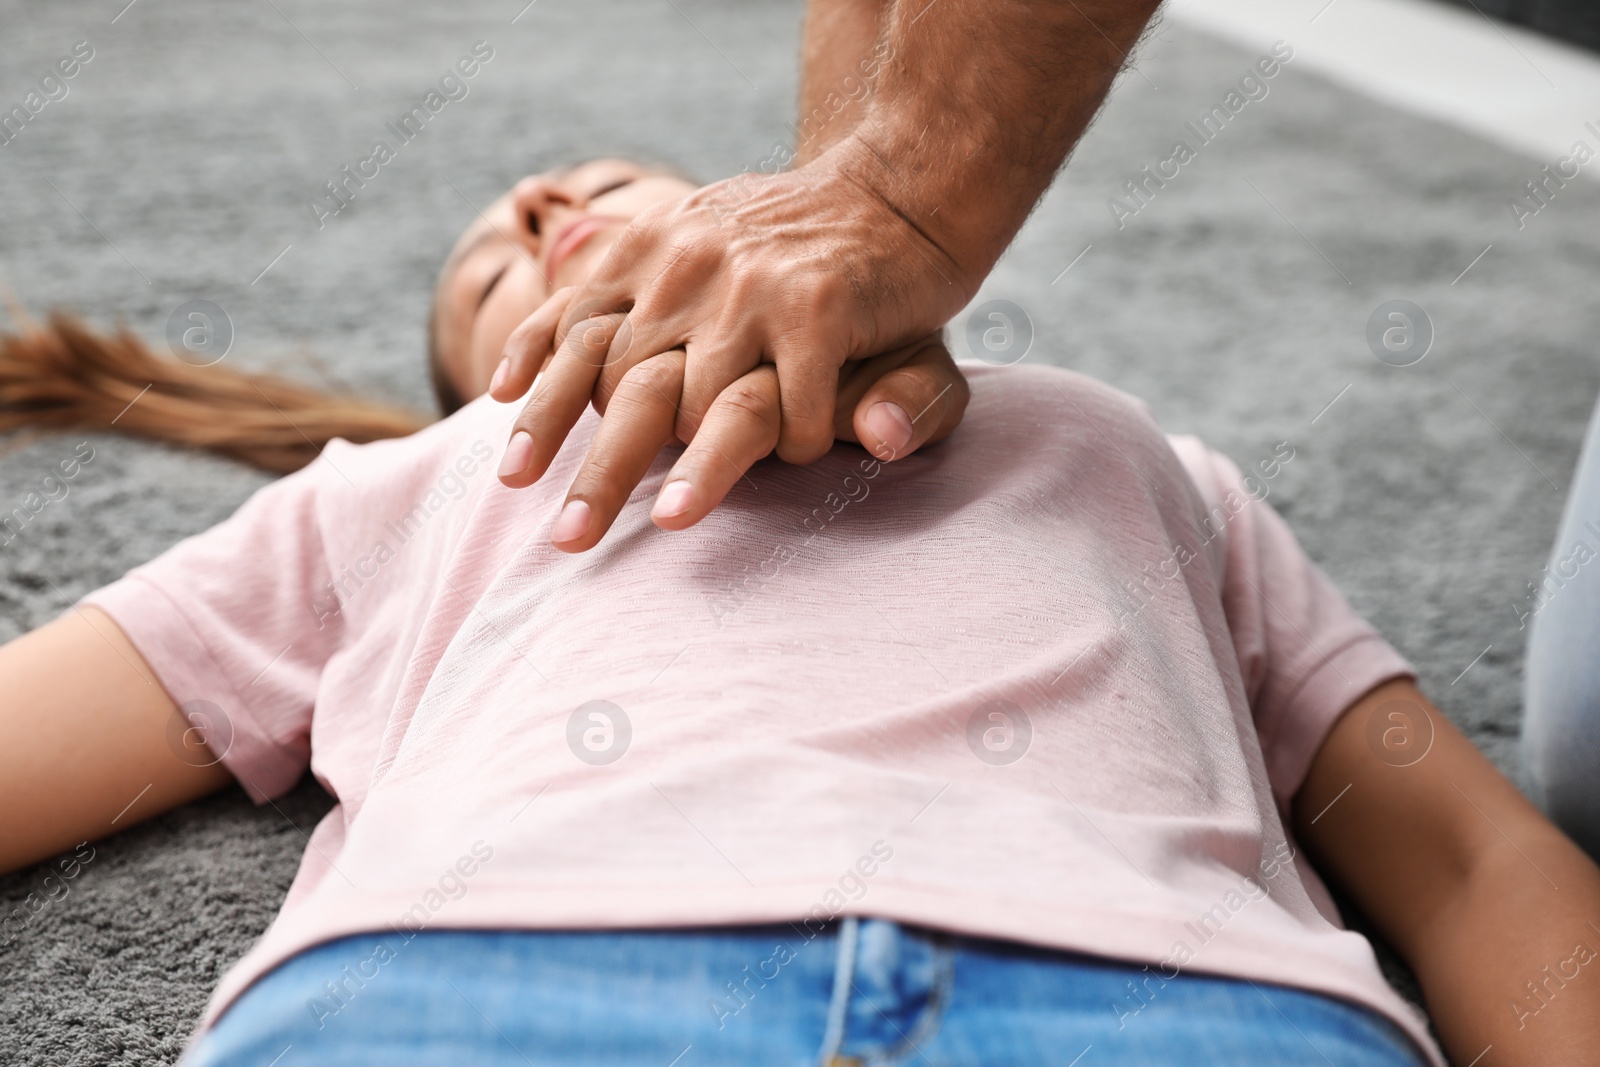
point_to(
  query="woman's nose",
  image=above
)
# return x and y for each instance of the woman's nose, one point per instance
(535, 199)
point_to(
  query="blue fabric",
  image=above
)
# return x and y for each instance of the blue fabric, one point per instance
(1561, 609)
(771, 996)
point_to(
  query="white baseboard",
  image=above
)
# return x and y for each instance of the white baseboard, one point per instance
(1526, 92)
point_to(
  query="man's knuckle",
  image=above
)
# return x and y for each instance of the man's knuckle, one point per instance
(684, 248)
(656, 377)
(750, 284)
(828, 293)
(694, 251)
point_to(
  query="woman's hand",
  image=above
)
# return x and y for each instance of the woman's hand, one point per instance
(892, 404)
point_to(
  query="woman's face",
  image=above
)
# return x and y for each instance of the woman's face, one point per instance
(549, 231)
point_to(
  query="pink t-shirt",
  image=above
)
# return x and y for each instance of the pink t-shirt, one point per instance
(1054, 680)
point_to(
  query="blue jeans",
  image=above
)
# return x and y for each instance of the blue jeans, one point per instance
(855, 993)
(1561, 717)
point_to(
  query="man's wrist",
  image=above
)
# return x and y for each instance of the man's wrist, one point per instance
(913, 256)
(931, 190)
(975, 110)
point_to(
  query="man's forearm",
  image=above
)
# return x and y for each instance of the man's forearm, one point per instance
(976, 107)
(842, 55)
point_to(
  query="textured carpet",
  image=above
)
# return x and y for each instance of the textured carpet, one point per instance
(180, 163)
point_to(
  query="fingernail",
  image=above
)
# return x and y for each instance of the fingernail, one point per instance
(519, 450)
(674, 500)
(501, 373)
(572, 523)
(889, 424)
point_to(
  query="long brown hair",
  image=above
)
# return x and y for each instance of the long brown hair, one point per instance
(61, 374)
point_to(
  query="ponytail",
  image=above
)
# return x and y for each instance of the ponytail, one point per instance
(63, 375)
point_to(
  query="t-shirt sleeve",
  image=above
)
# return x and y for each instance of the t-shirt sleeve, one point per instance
(227, 620)
(1304, 654)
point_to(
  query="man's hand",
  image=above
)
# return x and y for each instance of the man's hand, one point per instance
(878, 238)
(892, 404)
(803, 270)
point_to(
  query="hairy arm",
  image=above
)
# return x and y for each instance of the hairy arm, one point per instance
(840, 57)
(976, 109)
(89, 741)
(1496, 911)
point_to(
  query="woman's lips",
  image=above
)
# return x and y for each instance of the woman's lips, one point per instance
(570, 238)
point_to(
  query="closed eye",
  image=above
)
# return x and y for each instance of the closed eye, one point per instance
(613, 187)
(501, 273)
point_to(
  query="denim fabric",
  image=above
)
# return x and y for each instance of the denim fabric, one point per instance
(865, 992)
(1561, 723)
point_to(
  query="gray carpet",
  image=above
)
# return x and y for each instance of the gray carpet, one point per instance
(1235, 301)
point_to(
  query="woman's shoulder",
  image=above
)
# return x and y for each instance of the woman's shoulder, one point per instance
(1065, 398)
(1040, 387)
(475, 431)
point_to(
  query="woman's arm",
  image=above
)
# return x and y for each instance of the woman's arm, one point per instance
(1496, 911)
(89, 741)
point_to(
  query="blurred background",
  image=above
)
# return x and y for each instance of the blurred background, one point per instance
(1386, 161)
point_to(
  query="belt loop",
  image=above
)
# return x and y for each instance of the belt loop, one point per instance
(843, 978)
